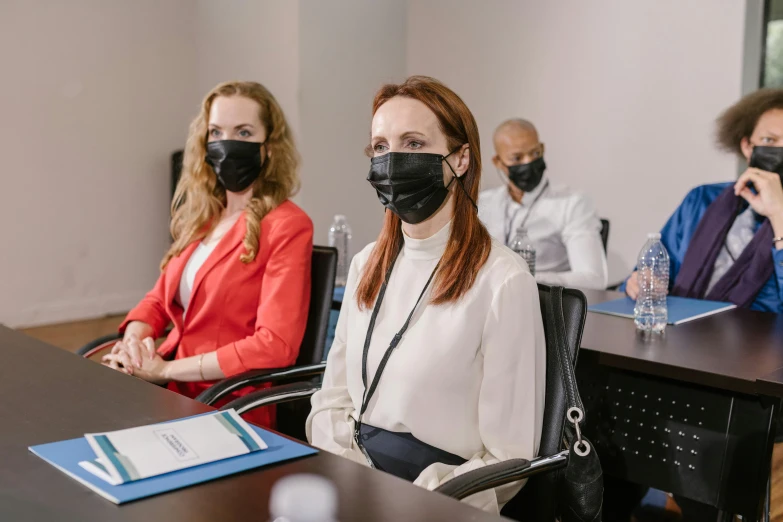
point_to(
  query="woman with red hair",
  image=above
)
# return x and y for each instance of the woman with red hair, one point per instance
(438, 363)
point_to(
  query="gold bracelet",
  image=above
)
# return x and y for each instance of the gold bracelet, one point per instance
(201, 366)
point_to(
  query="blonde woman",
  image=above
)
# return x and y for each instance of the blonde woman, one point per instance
(235, 283)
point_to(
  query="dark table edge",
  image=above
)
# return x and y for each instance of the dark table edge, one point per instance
(769, 386)
(687, 375)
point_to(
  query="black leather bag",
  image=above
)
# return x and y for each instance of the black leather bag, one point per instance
(582, 487)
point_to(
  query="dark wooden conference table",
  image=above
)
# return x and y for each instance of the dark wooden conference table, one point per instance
(692, 411)
(47, 394)
(771, 383)
(731, 351)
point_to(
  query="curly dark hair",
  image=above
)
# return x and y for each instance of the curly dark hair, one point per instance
(739, 120)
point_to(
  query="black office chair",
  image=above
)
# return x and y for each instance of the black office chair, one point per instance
(308, 363)
(176, 169)
(605, 227)
(605, 233)
(538, 500)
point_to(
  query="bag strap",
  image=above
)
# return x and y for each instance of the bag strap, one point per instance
(575, 412)
(556, 321)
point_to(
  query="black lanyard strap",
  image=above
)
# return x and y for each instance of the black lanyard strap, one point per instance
(510, 222)
(369, 392)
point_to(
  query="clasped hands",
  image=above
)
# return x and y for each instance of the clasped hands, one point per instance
(138, 357)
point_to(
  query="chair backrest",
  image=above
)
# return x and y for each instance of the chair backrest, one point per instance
(605, 233)
(176, 169)
(322, 275)
(538, 499)
(291, 416)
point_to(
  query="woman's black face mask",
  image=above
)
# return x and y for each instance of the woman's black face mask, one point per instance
(237, 164)
(410, 184)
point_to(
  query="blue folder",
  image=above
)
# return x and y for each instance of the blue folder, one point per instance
(680, 309)
(66, 455)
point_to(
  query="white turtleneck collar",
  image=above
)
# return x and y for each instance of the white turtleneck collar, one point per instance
(429, 248)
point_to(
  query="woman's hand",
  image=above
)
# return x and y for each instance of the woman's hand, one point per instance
(138, 357)
(137, 348)
(768, 199)
(153, 370)
(632, 286)
(138, 329)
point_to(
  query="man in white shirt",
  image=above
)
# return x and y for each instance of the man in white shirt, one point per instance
(561, 222)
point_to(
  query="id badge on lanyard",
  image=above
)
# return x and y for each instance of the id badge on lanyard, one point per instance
(369, 392)
(509, 224)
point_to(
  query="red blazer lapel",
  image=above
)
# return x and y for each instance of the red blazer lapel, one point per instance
(173, 276)
(225, 246)
(174, 272)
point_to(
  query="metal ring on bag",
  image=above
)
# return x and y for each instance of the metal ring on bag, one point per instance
(582, 453)
(579, 417)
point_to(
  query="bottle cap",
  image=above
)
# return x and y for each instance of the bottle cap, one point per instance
(303, 498)
(654, 235)
(339, 217)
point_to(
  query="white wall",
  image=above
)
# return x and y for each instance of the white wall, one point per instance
(252, 40)
(96, 94)
(105, 91)
(348, 49)
(624, 93)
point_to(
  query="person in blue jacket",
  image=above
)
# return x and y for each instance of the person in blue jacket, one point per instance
(725, 240)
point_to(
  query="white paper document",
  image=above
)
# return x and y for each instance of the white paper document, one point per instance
(138, 453)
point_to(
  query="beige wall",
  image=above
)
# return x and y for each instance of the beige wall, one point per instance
(96, 95)
(256, 40)
(624, 93)
(110, 87)
(348, 49)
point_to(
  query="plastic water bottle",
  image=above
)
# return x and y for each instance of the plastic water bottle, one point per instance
(340, 238)
(303, 498)
(652, 270)
(522, 245)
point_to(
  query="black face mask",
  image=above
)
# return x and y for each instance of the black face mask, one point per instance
(410, 184)
(527, 176)
(767, 158)
(237, 164)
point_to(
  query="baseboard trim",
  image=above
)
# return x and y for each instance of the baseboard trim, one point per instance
(77, 310)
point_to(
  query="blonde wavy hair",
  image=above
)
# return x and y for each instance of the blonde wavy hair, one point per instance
(199, 198)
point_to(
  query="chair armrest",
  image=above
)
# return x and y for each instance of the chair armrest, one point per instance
(499, 474)
(274, 395)
(96, 345)
(104, 342)
(255, 377)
